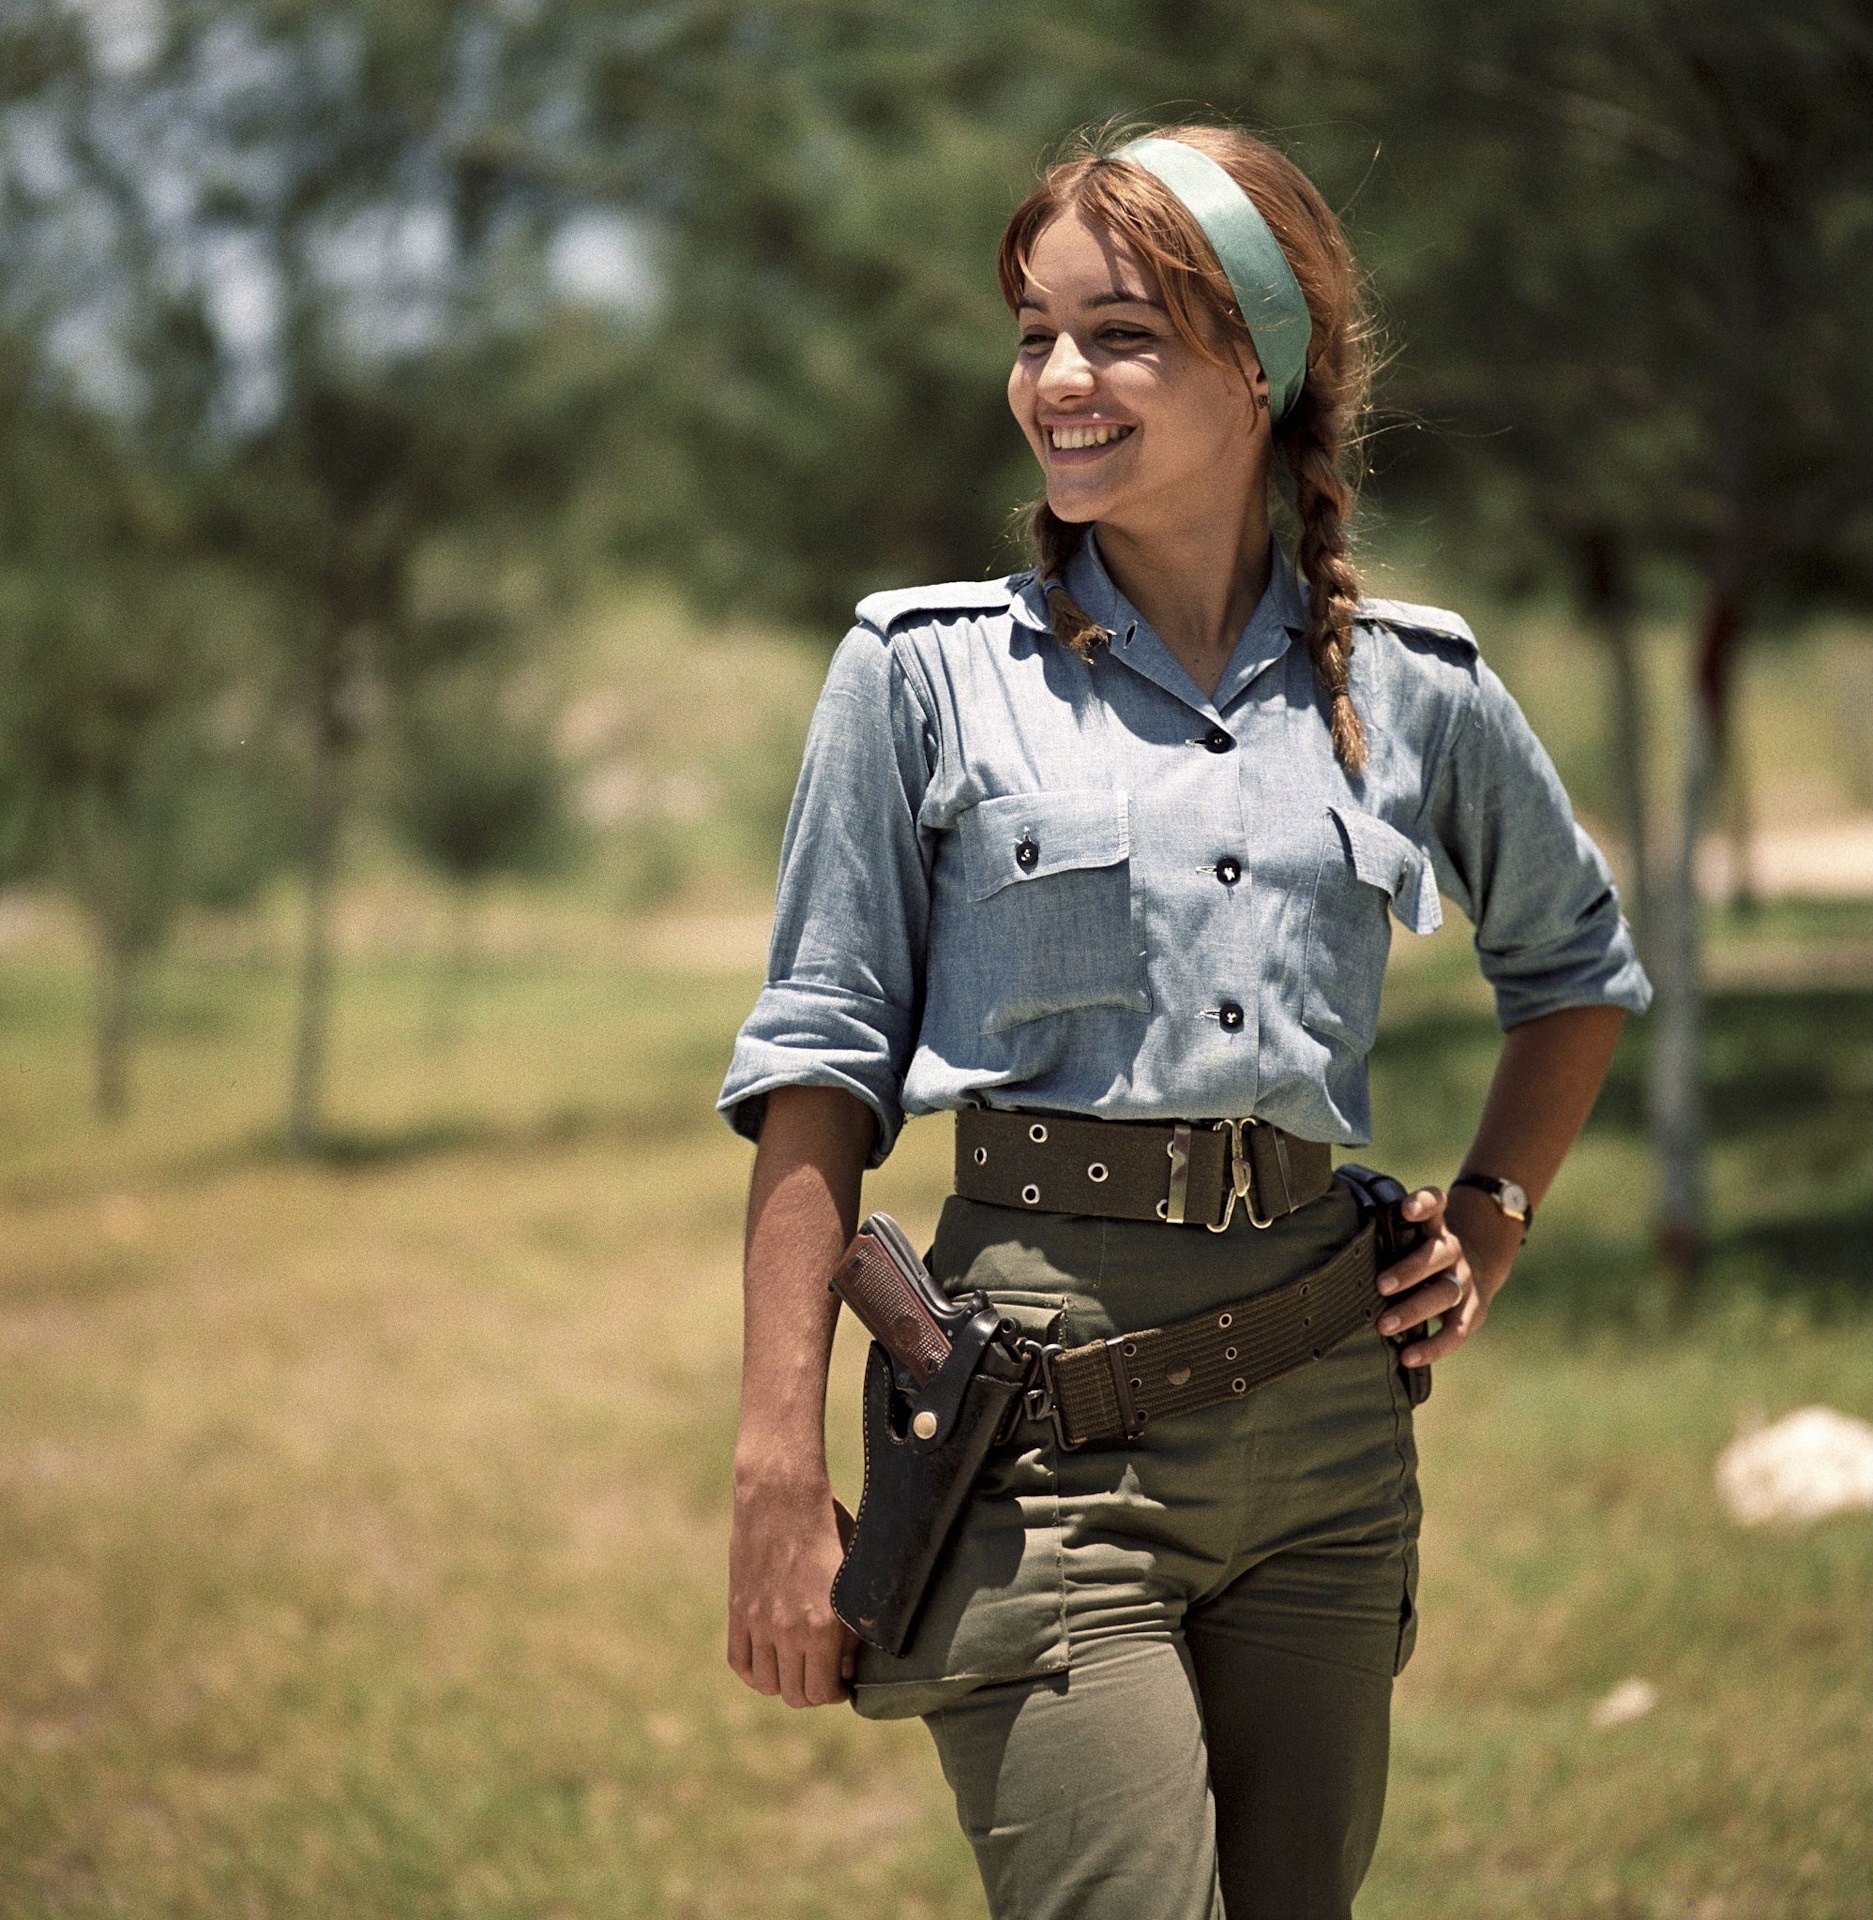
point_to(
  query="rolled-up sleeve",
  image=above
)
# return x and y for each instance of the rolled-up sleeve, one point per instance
(1549, 933)
(844, 992)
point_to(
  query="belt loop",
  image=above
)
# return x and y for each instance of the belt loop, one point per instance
(1288, 1201)
(1256, 1170)
(1179, 1195)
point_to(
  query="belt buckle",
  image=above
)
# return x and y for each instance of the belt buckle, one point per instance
(1041, 1401)
(1241, 1187)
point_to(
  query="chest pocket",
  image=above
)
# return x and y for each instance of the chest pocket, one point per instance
(1367, 869)
(1053, 926)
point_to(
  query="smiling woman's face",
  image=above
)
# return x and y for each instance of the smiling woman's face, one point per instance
(1133, 427)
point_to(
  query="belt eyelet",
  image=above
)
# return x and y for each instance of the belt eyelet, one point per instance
(1037, 1133)
(1225, 1319)
(1098, 1172)
(982, 1156)
(1031, 1194)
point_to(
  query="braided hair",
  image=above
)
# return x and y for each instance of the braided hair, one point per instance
(1316, 437)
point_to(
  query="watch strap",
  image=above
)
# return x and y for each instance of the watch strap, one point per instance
(1496, 1188)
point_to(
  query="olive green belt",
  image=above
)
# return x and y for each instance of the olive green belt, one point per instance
(1185, 1173)
(1110, 1389)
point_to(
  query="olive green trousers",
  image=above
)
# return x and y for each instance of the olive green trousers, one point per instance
(1159, 1674)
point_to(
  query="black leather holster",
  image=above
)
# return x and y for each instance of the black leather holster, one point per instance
(915, 1489)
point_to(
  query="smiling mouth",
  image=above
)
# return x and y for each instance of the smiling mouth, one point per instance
(1074, 439)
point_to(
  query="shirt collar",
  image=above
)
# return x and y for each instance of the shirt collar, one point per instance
(1279, 616)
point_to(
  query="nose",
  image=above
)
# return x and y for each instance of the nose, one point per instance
(1067, 375)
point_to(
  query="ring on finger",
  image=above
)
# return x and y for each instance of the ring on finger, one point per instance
(1459, 1280)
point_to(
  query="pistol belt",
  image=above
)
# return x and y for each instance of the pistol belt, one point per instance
(1112, 1389)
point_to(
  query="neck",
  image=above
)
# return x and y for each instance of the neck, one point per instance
(1196, 578)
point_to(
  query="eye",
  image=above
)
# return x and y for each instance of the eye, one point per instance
(1033, 340)
(1126, 336)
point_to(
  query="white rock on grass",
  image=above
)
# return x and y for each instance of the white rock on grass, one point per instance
(1630, 1700)
(1806, 1466)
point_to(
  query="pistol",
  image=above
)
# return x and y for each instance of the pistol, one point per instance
(884, 1282)
(943, 1380)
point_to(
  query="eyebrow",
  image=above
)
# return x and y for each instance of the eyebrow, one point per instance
(1112, 298)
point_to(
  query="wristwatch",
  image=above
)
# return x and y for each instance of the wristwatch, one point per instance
(1510, 1195)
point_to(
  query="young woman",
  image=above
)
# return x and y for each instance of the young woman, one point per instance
(1111, 845)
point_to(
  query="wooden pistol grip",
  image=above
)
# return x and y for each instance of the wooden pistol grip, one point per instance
(869, 1281)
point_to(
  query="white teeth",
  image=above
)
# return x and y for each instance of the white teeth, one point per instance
(1066, 438)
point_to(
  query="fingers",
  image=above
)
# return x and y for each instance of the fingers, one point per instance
(807, 1663)
(1458, 1325)
(1441, 1249)
(1442, 1294)
(822, 1683)
(764, 1671)
(1445, 1341)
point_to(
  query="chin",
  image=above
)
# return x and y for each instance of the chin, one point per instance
(1079, 506)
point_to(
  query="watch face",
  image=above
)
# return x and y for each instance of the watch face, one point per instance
(1513, 1198)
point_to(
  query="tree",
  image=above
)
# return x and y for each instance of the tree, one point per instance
(479, 791)
(126, 667)
(826, 414)
(1645, 302)
(306, 258)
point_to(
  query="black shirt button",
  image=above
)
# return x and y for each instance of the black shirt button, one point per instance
(1230, 1014)
(1027, 853)
(1218, 741)
(1229, 869)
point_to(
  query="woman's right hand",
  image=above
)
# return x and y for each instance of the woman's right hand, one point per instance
(783, 1636)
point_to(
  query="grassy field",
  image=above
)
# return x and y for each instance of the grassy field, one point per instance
(362, 1523)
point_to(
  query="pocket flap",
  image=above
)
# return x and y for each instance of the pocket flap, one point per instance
(1393, 862)
(1025, 836)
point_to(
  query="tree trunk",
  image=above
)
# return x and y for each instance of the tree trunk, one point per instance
(1605, 590)
(1740, 822)
(305, 1113)
(1675, 1088)
(116, 1017)
(448, 992)
(334, 732)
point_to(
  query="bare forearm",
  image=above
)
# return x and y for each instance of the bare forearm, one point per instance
(783, 1637)
(1546, 1081)
(802, 1209)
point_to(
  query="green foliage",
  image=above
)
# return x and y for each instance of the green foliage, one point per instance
(479, 793)
(138, 764)
(1629, 265)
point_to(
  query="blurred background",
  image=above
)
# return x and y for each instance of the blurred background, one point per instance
(440, 445)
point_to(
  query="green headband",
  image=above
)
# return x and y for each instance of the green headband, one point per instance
(1267, 293)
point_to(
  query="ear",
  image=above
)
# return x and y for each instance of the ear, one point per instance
(1252, 374)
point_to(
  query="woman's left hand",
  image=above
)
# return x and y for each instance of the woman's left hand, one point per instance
(1454, 1275)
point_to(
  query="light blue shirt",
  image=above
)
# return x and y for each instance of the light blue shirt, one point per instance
(1014, 878)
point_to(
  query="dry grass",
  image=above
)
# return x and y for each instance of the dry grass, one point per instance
(361, 1525)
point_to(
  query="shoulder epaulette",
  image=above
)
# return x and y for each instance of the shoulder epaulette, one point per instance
(884, 610)
(1408, 618)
